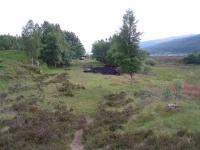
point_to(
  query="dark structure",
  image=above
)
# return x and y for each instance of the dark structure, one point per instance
(107, 69)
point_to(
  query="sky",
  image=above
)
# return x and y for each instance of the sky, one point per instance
(93, 20)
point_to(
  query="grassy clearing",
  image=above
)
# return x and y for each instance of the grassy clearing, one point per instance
(189, 73)
(9, 70)
(24, 88)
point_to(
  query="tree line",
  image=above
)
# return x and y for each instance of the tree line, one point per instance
(46, 42)
(122, 49)
(9, 42)
(193, 58)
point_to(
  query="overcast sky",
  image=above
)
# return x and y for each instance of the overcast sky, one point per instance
(92, 20)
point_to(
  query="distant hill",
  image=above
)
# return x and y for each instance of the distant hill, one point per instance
(173, 45)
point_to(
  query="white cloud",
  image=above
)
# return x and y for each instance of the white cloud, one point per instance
(95, 19)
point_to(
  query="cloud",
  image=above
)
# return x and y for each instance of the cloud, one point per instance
(96, 19)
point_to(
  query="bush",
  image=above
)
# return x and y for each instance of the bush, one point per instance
(59, 78)
(177, 87)
(166, 92)
(146, 69)
(150, 62)
(31, 68)
(173, 89)
(116, 100)
(192, 59)
(143, 94)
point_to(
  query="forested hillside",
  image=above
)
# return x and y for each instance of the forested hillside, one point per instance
(182, 45)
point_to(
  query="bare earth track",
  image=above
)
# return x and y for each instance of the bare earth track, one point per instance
(76, 143)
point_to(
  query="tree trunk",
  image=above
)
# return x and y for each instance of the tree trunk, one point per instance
(32, 61)
(132, 77)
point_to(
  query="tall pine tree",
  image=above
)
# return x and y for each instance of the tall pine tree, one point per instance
(125, 49)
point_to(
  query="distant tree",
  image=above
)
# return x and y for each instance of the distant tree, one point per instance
(76, 47)
(8, 42)
(100, 49)
(55, 51)
(31, 40)
(192, 59)
(125, 50)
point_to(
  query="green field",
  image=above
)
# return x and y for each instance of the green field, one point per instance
(149, 106)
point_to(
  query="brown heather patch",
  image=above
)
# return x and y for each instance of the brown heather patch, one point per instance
(191, 90)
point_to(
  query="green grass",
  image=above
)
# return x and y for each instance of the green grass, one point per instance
(150, 112)
(159, 118)
(188, 73)
(10, 61)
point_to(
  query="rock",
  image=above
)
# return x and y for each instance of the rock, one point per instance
(172, 106)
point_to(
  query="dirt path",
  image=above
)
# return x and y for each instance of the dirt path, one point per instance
(76, 143)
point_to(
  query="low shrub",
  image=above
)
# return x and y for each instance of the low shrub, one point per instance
(147, 140)
(67, 88)
(143, 94)
(19, 87)
(192, 59)
(166, 92)
(150, 62)
(146, 69)
(59, 78)
(173, 90)
(177, 87)
(102, 132)
(23, 106)
(3, 95)
(31, 68)
(41, 129)
(116, 100)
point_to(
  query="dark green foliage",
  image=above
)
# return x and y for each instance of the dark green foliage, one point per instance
(125, 50)
(59, 47)
(100, 49)
(31, 40)
(192, 59)
(55, 51)
(8, 42)
(46, 42)
(76, 47)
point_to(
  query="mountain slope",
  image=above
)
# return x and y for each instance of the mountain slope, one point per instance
(150, 43)
(179, 45)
